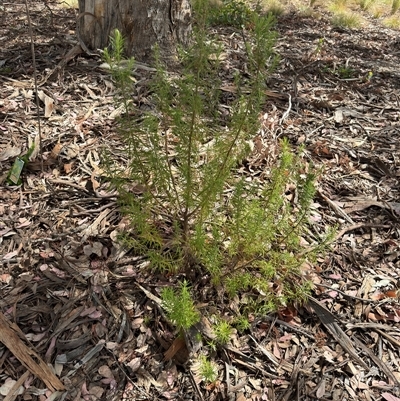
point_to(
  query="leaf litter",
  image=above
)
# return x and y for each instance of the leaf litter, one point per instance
(81, 317)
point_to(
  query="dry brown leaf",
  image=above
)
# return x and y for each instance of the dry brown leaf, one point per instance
(48, 103)
(321, 389)
(241, 397)
(134, 364)
(390, 397)
(11, 388)
(136, 323)
(5, 278)
(56, 150)
(10, 152)
(94, 182)
(105, 371)
(96, 392)
(68, 167)
(176, 346)
(95, 248)
(146, 379)
(168, 378)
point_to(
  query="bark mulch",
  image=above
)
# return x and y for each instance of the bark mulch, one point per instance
(80, 316)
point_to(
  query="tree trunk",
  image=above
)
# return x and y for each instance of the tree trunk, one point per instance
(143, 23)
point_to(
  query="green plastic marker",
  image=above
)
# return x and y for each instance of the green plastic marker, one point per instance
(15, 172)
(14, 176)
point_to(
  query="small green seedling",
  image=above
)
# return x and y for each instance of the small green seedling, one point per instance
(208, 370)
(345, 72)
(222, 331)
(180, 307)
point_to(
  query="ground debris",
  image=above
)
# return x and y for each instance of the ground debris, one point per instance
(85, 314)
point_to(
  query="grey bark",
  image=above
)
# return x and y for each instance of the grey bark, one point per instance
(143, 23)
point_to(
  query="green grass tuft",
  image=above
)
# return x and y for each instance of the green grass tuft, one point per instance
(395, 6)
(392, 22)
(346, 20)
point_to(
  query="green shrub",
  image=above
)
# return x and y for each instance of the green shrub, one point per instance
(183, 156)
(234, 13)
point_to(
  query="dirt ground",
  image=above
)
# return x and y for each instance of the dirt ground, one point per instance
(80, 316)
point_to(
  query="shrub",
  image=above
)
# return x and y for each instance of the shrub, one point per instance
(183, 156)
(234, 13)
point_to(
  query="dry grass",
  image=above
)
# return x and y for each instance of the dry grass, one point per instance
(392, 22)
(346, 13)
(69, 3)
(346, 20)
(338, 7)
(275, 7)
(308, 11)
(365, 4)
